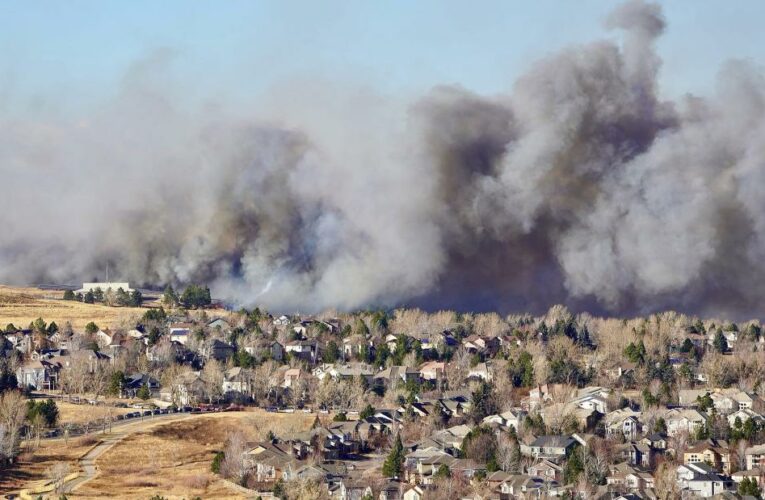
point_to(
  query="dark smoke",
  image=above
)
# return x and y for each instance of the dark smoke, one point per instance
(582, 186)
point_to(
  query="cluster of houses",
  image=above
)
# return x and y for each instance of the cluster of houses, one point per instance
(550, 423)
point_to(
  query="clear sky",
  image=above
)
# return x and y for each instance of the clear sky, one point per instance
(75, 52)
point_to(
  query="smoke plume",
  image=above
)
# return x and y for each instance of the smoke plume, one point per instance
(581, 185)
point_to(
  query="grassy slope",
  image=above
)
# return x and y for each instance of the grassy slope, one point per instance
(21, 306)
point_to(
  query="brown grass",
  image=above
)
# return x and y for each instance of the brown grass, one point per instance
(32, 465)
(21, 306)
(70, 413)
(174, 458)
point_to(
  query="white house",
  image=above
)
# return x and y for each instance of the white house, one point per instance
(701, 480)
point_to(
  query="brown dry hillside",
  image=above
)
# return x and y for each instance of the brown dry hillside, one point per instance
(174, 458)
(21, 306)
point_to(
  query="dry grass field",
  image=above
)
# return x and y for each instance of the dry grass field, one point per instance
(34, 465)
(69, 413)
(174, 458)
(21, 306)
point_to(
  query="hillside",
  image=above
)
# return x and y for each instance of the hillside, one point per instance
(21, 306)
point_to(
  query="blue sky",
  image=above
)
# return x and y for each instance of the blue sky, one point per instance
(76, 52)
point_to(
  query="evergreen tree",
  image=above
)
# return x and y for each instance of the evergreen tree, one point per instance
(52, 328)
(136, 298)
(331, 353)
(69, 295)
(91, 328)
(749, 487)
(394, 463)
(574, 467)
(144, 392)
(483, 403)
(720, 343)
(169, 297)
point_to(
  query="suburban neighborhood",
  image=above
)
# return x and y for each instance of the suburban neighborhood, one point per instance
(414, 405)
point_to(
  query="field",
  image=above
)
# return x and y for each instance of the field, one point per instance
(174, 459)
(33, 465)
(171, 458)
(21, 306)
(69, 413)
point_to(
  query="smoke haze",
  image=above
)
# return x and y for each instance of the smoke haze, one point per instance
(581, 185)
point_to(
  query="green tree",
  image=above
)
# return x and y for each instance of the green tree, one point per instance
(39, 325)
(443, 471)
(483, 403)
(122, 298)
(521, 370)
(89, 297)
(136, 298)
(52, 328)
(69, 295)
(394, 462)
(367, 412)
(195, 296)
(749, 487)
(332, 352)
(169, 297)
(720, 343)
(217, 461)
(660, 426)
(91, 328)
(116, 383)
(704, 402)
(144, 392)
(574, 467)
(46, 409)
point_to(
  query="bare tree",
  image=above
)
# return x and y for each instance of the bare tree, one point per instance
(233, 466)
(666, 482)
(12, 413)
(57, 474)
(212, 375)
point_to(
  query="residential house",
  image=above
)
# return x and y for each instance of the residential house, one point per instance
(268, 462)
(355, 345)
(354, 489)
(432, 370)
(266, 349)
(481, 371)
(395, 375)
(414, 493)
(187, 390)
(554, 448)
(218, 350)
(757, 475)
(624, 422)
(741, 416)
(701, 480)
(39, 375)
(522, 486)
(236, 380)
(219, 324)
(134, 382)
(683, 420)
(180, 332)
(291, 376)
(306, 350)
(755, 456)
(546, 470)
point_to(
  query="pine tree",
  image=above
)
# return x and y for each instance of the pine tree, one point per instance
(144, 392)
(395, 461)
